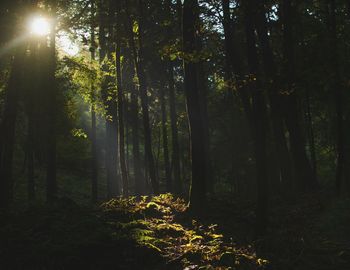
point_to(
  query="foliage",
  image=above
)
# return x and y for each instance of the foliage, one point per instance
(160, 223)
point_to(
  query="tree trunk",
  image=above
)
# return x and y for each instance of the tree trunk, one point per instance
(139, 66)
(111, 110)
(30, 158)
(127, 134)
(203, 86)
(177, 184)
(259, 112)
(175, 157)
(194, 108)
(51, 181)
(338, 95)
(303, 168)
(234, 62)
(276, 100)
(311, 133)
(122, 160)
(139, 183)
(169, 186)
(94, 165)
(8, 128)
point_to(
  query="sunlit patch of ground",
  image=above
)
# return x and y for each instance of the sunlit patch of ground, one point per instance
(160, 223)
(146, 233)
(157, 233)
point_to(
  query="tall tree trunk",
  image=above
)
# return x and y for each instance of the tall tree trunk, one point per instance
(276, 100)
(308, 109)
(139, 183)
(8, 128)
(111, 108)
(139, 66)
(127, 134)
(94, 165)
(51, 181)
(311, 133)
(338, 94)
(203, 86)
(194, 108)
(169, 186)
(203, 92)
(175, 157)
(94, 162)
(234, 62)
(179, 12)
(177, 183)
(122, 160)
(304, 171)
(30, 97)
(259, 112)
(30, 157)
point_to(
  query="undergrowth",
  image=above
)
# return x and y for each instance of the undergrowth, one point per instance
(160, 223)
(152, 233)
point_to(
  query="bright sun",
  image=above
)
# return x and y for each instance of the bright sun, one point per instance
(40, 26)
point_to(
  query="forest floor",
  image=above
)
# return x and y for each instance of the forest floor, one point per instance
(157, 233)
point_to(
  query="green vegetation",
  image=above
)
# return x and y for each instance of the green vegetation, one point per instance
(155, 230)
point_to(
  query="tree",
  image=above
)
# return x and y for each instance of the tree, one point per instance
(174, 131)
(8, 126)
(121, 104)
(94, 164)
(194, 109)
(165, 137)
(276, 99)
(176, 185)
(139, 67)
(51, 181)
(306, 178)
(234, 62)
(338, 94)
(259, 113)
(109, 97)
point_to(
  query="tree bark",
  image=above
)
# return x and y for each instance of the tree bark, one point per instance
(94, 165)
(111, 109)
(169, 185)
(139, 66)
(203, 86)
(311, 133)
(175, 156)
(177, 183)
(30, 157)
(305, 179)
(234, 63)
(139, 183)
(259, 112)
(120, 92)
(338, 96)
(51, 181)
(276, 99)
(194, 108)
(8, 128)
